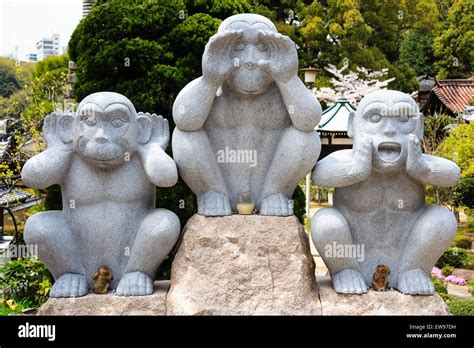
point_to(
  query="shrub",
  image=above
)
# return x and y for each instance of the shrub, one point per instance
(441, 287)
(464, 243)
(447, 270)
(461, 307)
(469, 262)
(299, 204)
(471, 286)
(455, 257)
(16, 307)
(462, 192)
(446, 298)
(26, 279)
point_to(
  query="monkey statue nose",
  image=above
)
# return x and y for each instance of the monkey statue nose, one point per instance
(101, 140)
(250, 65)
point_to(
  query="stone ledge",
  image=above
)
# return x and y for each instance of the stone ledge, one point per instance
(390, 302)
(110, 304)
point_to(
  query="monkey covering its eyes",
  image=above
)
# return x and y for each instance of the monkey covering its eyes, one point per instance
(380, 279)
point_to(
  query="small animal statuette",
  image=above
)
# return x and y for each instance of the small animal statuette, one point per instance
(102, 279)
(380, 279)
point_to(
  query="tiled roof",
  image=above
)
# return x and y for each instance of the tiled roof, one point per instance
(455, 94)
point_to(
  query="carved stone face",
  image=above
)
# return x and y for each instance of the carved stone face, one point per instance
(388, 117)
(105, 135)
(249, 78)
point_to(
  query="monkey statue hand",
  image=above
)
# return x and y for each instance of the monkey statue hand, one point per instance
(362, 160)
(283, 64)
(160, 131)
(57, 130)
(216, 60)
(416, 166)
(157, 132)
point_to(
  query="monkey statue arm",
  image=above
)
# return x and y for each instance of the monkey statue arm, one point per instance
(345, 167)
(303, 108)
(160, 168)
(50, 166)
(193, 104)
(430, 169)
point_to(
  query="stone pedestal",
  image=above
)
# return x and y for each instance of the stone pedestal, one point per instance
(390, 302)
(110, 304)
(243, 265)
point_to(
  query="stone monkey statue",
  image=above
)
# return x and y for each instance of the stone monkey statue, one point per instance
(379, 199)
(249, 100)
(107, 159)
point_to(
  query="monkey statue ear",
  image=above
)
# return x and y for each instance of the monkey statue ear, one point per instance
(350, 124)
(66, 122)
(144, 128)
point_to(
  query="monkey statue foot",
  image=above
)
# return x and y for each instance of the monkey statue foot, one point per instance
(415, 282)
(70, 285)
(349, 281)
(214, 204)
(135, 284)
(277, 205)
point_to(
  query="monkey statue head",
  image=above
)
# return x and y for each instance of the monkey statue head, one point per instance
(250, 78)
(107, 129)
(388, 118)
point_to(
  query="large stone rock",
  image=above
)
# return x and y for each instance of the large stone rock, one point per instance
(110, 304)
(243, 265)
(390, 302)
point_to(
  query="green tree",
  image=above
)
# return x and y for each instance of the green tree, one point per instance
(363, 33)
(416, 50)
(454, 47)
(463, 192)
(40, 94)
(147, 50)
(12, 96)
(436, 129)
(459, 147)
(8, 81)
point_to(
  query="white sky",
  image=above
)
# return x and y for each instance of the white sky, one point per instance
(24, 22)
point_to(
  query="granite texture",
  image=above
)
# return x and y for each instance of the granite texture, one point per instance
(107, 158)
(110, 304)
(389, 302)
(247, 124)
(243, 265)
(379, 215)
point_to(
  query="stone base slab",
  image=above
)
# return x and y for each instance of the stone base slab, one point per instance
(110, 304)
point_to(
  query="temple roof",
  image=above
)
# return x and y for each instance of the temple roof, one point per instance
(454, 94)
(334, 119)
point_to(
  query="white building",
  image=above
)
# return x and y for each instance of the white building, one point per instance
(47, 47)
(32, 57)
(87, 7)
